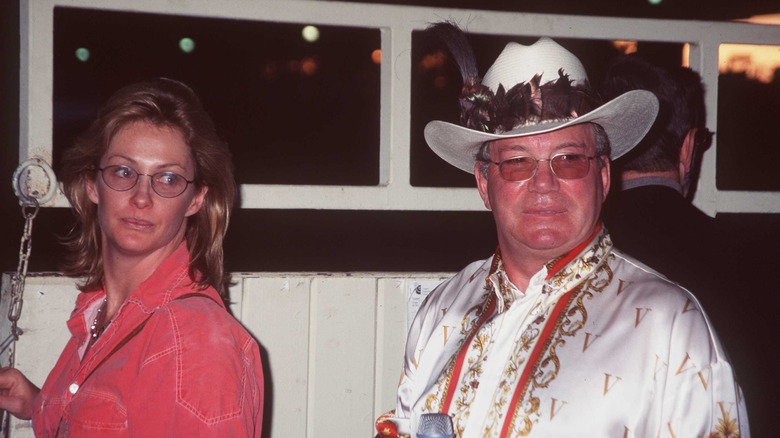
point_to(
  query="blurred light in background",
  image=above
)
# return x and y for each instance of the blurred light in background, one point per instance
(376, 56)
(433, 61)
(759, 63)
(310, 33)
(625, 46)
(187, 45)
(309, 66)
(82, 54)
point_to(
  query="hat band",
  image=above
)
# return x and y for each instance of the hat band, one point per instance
(525, 104)
(535, 122)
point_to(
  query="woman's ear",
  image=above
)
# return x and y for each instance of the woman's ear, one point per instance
(197, 202)
(92, 192)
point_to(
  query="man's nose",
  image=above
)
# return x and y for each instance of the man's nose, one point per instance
(544, 180)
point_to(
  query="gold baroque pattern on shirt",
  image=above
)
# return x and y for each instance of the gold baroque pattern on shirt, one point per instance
(507, 291)
(727, 427)
(571, 320)
(469, 322)
(579, 268)
(434, 401)
(527, 413)
(476, 356)
(596, 283)
(511, 374)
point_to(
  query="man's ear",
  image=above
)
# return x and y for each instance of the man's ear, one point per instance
(686, 153)
(482, 184)
(605, 176)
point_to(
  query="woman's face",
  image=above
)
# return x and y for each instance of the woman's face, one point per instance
(139, 222)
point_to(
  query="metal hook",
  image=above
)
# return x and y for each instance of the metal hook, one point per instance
(34, 183)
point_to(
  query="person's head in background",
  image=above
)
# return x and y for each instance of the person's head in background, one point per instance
(673, 147)
(165, 104)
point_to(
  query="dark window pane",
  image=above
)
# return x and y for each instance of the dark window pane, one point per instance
(293, 111)
(748, 131)
(338, 240)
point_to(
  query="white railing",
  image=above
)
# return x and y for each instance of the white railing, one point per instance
(397, 23)
(333, 343)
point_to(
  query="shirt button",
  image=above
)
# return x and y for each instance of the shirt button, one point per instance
(73, 388)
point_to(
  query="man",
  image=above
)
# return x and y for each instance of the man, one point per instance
(558, 333)
(651, 218)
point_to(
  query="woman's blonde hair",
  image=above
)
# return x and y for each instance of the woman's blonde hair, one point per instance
(165, 103)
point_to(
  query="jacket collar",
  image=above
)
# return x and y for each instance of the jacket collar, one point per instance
(169, 281)
(562, 273)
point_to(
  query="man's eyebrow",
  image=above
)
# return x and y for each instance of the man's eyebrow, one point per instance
(517, 147)
(520, 147)
(570, 144)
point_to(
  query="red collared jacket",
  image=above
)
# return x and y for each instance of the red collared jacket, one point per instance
(173, 362)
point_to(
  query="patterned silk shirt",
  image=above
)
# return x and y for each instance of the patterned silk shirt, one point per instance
(599, 345)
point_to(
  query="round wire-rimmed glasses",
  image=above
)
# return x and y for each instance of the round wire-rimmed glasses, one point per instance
(564, 166)
(123, 178)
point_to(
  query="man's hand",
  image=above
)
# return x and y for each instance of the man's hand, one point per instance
(17, 393)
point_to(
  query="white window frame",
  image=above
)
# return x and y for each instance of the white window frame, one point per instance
(396, 23)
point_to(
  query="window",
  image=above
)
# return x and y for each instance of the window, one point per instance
(748, 134)
(296, 104)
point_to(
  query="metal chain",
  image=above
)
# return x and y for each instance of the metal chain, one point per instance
(34, 183)
(17, 295)
(18, 278)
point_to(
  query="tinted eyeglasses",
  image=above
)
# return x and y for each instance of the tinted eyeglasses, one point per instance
(123, 178)
(564, 166)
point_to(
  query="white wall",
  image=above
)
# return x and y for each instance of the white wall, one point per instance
(333, 342)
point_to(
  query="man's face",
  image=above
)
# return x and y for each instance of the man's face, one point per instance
(545, 216)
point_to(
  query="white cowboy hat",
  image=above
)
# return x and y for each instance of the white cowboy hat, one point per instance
(626, 119)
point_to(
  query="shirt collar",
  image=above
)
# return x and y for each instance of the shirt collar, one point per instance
(561, 274)
(497, 281)
(168, 281)
(650, 181)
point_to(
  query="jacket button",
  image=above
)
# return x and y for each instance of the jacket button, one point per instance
(73, 388)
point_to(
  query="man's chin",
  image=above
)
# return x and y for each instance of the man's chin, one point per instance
(551, 243)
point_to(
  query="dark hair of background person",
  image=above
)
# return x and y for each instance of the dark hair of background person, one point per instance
(681, 97)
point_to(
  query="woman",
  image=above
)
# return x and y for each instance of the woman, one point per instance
(153, 350)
